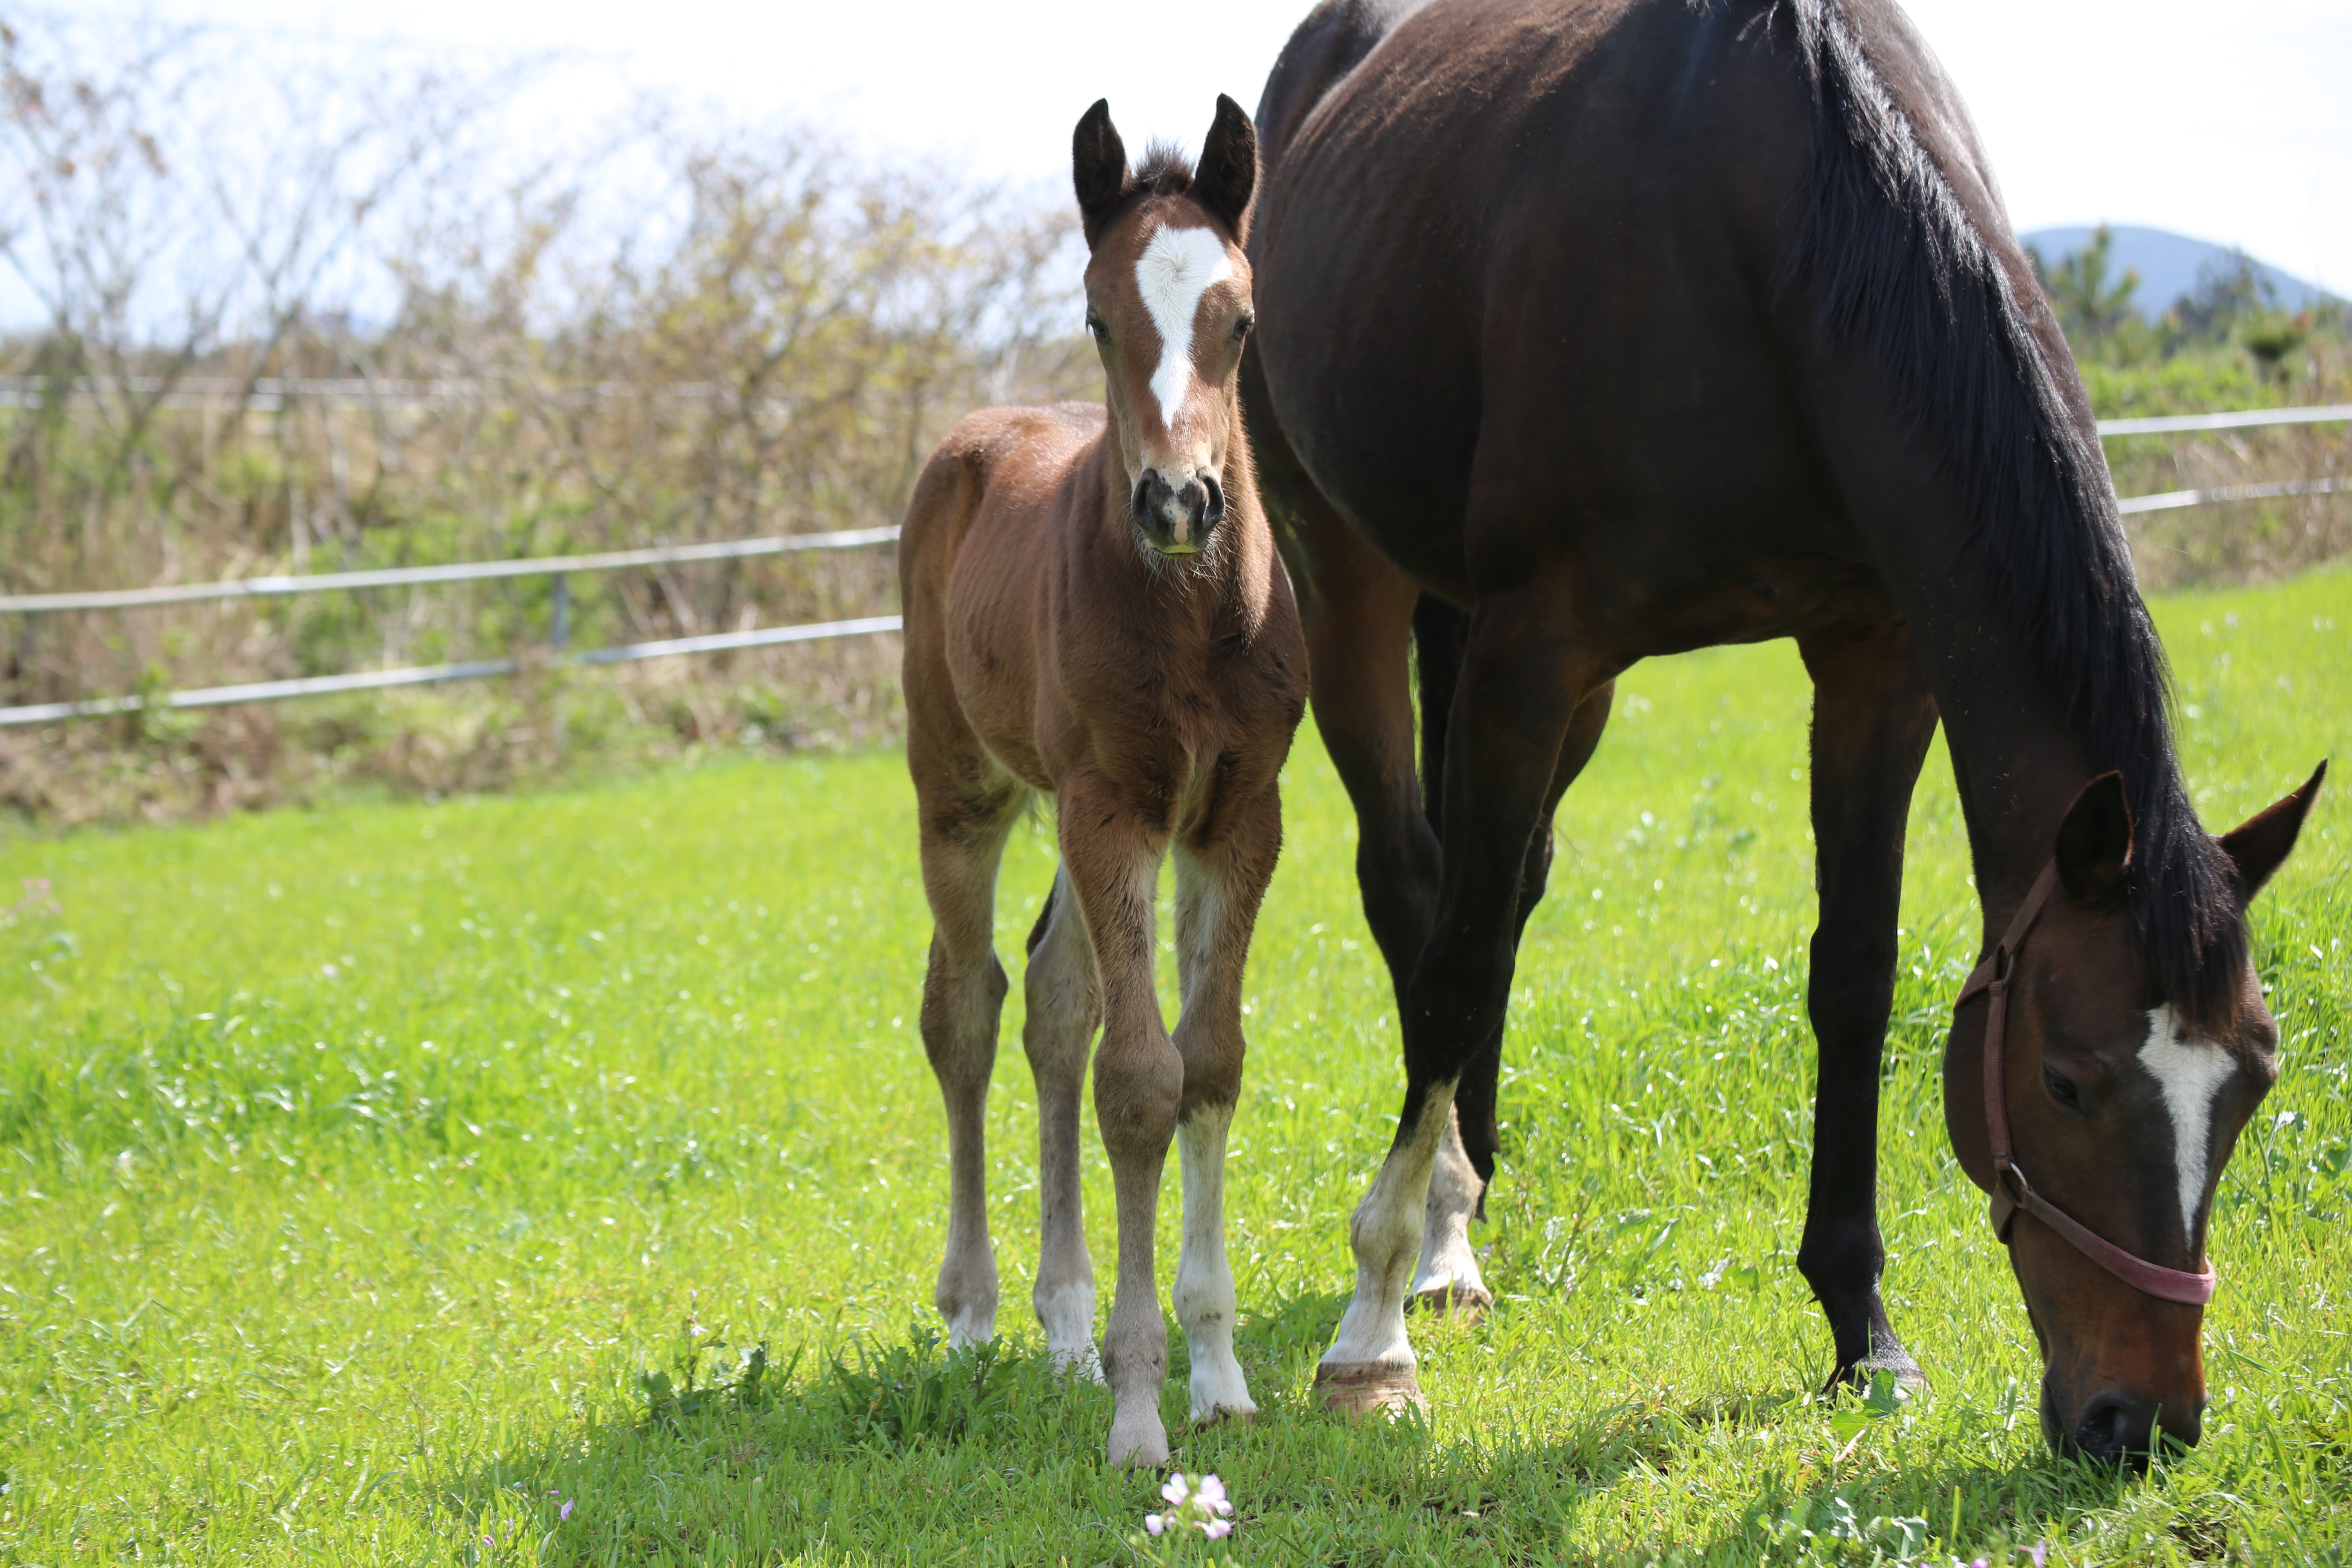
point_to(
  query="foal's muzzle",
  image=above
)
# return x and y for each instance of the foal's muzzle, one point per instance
(1176, 519)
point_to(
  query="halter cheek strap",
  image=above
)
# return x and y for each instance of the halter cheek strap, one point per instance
(2010, 1191)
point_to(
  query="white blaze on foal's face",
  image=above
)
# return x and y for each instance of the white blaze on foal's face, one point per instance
(1176, 266)
(2191, 1072)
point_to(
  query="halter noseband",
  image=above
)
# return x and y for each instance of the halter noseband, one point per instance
(2011, 1192)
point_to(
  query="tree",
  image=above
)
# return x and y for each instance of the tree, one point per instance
(2089, 306)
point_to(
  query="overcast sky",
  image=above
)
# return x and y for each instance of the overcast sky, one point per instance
(2228, 122)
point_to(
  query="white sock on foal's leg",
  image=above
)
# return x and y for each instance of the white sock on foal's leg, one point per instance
(1371, 1364)
(1204, 1277)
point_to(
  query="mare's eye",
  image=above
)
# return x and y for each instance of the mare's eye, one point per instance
(2062, 1089)
(1241, 327)
(1098, 327)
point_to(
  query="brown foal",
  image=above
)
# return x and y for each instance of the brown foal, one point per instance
(1093, 610)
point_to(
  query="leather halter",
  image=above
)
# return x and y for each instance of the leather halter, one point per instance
(2010, 1191)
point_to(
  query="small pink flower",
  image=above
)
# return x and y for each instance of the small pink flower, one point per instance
(1176, 1491)
(564, 1512)
(2039, 1550)
(1217, 1528)
(1154, 1524)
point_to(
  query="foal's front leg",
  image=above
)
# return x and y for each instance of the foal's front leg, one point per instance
(1220, 884)
(1110, 855)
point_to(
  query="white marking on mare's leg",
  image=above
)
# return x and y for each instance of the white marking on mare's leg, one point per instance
(1449, 1278)
(1204, 1277)
(2190, 1071)
(1176, 266)
(1370, 1364)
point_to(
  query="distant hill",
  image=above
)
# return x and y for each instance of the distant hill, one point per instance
(2168, 264)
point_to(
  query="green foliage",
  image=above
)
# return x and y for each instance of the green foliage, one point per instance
(902, 1394)
(2092, 302)
(356, 1164)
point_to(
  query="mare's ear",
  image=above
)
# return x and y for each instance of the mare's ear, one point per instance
(2258, 846)
(2094, 843)
(1226, 179)
(1099, 167)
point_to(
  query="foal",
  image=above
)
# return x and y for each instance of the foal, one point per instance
(1093, 610)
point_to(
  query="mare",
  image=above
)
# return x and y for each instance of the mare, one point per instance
(1095, 611)
(1598, 329)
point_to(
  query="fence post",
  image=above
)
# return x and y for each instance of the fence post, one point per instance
(560, 633)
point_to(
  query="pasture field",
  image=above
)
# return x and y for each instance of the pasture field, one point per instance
(357, 1165)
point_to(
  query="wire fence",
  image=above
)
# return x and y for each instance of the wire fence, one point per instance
(560, 567)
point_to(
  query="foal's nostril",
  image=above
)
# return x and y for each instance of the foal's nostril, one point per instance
(2117, 1428)
(1215, 513)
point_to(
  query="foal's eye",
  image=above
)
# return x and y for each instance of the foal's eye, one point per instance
(2062, 1089)
(1098, 327)
(1242, 328)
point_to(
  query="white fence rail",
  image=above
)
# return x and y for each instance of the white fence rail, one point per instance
(459, 572)
(264, 395)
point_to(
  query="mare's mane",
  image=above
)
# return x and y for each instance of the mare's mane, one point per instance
(1896, 263)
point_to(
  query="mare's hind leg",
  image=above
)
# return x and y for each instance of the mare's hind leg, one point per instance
(1065, 1008)
(1220, 883)
(964, 834)
(1449, 1278)
(1873, 720)
(1522, 678)
(1110, 856)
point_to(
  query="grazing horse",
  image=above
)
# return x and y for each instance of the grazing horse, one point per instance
(1095, 611)
(1605, 329)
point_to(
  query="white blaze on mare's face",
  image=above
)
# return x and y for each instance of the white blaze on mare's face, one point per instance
(2190, 1071)
(1176, 266)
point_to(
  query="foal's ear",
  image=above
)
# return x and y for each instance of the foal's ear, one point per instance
(1225, 180)
(2095, 842)
(2258, 846)
(1099, 167)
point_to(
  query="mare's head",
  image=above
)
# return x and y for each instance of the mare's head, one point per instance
(1167, 301)
(2123, 1106)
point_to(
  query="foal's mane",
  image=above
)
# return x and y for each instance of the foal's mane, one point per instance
(1896, 263)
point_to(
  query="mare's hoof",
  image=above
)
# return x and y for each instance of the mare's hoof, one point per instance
(1466, 1304)
(1242, 1414)
(1858, 1378)
(1141, 1445)
(1368, 1388)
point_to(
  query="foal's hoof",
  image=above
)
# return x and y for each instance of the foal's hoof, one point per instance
(1368, 1388)
(1241, 1414)
(1139, 1445)
(1466, 1304)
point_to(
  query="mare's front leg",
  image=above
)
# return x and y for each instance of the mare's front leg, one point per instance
(1522, 676)
(1221, 880)
(965, 818)
(1873, 720)
(1110, 857)
(1065, 1008)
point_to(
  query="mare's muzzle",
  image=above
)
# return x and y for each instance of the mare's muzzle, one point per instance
(2121, 1428)
(1176, 519)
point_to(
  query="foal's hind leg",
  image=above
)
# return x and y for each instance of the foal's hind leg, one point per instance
(1873, 720)
(1220, 884)
(963, 994)
(1065, 1007)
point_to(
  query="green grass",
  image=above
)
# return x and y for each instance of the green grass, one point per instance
(355, 1165)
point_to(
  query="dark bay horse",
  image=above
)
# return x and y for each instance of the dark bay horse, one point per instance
(1603, 329)
(1095, 611)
